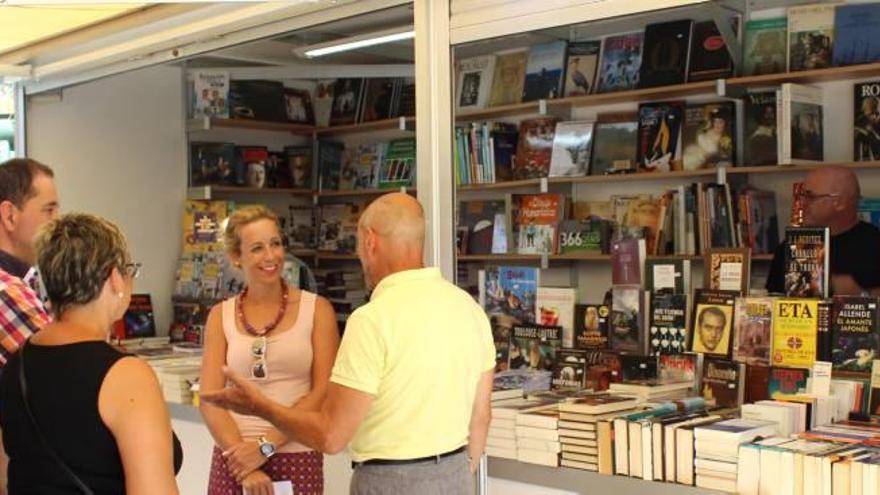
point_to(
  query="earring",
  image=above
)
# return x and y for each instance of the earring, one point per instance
(121, 295)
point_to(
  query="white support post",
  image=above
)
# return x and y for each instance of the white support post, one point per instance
(434, 131)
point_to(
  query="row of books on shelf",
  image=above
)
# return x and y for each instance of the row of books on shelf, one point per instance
(381, 165)
(801, 443)
(689, 220)
(326, 102)
(781, 126)
(667, 53)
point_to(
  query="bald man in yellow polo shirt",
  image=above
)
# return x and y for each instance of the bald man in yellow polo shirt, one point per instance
(410, 391)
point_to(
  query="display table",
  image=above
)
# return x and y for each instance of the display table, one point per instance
(585, 482)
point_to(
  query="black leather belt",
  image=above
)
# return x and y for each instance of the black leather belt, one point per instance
(397, 462)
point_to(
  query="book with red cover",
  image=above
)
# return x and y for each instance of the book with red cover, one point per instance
(535, 148)
(537, 217)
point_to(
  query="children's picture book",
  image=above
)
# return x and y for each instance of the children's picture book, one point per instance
(572, 144)
(509, 78)
(753, 332)
(512, 291)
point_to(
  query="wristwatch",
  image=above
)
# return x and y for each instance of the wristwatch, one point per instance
(267, 448)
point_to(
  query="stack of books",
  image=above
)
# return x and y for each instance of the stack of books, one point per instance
(717, 450)
(537, 435)
(579, 428)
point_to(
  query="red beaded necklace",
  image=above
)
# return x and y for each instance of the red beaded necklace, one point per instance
(271, 326)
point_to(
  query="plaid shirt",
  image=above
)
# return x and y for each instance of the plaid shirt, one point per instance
(21, 311)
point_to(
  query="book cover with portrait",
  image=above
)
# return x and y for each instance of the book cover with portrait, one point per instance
(753, 332)
(764, 47)
(591, 326)
(800, 119)
(712, 322)
(810, 36)
(855, 334)
(708, 136)
(866, 123)
(795, 329)
(760, 129)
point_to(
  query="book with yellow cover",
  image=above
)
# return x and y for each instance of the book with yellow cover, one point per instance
(795, 324)
(510, 75)
(202, 221)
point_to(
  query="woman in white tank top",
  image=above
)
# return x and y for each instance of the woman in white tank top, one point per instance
(285, 339)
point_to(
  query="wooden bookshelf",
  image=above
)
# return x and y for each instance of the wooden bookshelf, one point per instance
(248, 124)
(303, 253)
(362, 192)
(403, 124)
(679, 174)
(326, 255)
(495, 258)
(809, 76)
(669, 92)
(210, 192)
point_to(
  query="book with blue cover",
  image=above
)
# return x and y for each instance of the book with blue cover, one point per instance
(621, 61)
(856, 40)
(545, 71)
(512, 290)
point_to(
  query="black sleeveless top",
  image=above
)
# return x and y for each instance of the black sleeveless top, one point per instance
(63, 385)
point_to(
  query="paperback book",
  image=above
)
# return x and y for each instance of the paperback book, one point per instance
(795, 327)
(855, 34)
(866, 125)
(659, 132)
(712, 322)
(534, 347)
(572, 144)
(765, 46)
(474, 82)
(753, 331)
(544, 72)
(510, 75)
(723, 383)
(708, 136)
(760, 129)
(665, 60)
(535, 148)
(855, 333)
(581, 65)
(710, 58)
(627, 328)
(591, 326)
(668, 324)
(810, 36)
(569, 370)
(800, 119)
(555, 307)
(621, 60)
(210, 94)
(807, 261)
(537, 217)
(614, 147)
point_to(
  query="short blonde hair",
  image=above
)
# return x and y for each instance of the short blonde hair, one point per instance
(241, 218)
(75, 254)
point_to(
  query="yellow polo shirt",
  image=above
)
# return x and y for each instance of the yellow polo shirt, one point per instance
(419, 347)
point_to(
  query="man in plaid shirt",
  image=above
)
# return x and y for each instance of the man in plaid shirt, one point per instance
(28, 200)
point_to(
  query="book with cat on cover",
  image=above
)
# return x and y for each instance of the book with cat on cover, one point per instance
(591, 326)
(534, 346)
(659, 135)
(712, 322)
(753, 330)
(795, 327)
(806, 261)
(665, 58)
(855, 333)
(667, 330)
(535, 148)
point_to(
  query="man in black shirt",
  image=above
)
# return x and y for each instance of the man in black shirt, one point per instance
(830, 199)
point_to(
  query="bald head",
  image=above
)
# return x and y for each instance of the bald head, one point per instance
(831, 198)
(835, 180)
(397, 217)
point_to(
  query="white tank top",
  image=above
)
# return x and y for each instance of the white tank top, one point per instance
(288, 364)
